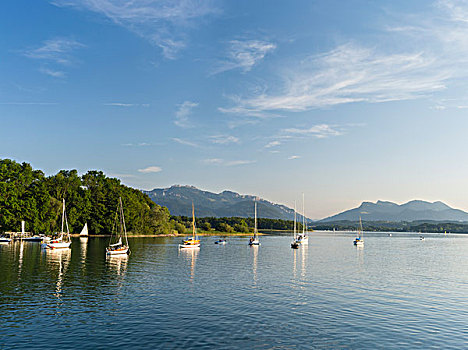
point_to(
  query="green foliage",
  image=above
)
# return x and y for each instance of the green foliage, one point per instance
(27, 194)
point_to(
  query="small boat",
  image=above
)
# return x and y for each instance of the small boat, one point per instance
(194, 242)
(84, 231)
(359, 240)
(118, 248)
(4, 239)
(389, 235)
(60, 242)
(421, 238)
(254, 239)
(220, 241)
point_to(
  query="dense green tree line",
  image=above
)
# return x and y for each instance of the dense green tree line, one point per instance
(236, 224)
(27, 194)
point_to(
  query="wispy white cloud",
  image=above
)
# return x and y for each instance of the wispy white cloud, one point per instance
(273, 144)
(52, 73)
(294, 157)
(244, 54)
(185, 142)
(319, 131)
(150, 169)
(183, 113)
(52, 52)
(224, 139)
(163, 23)
(223, 162)
(140, 144)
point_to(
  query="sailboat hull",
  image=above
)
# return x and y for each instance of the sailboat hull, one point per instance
(358, 243)
(303, 240)
(254, 243)
(59, 245)
(189, 246)
(120, 251)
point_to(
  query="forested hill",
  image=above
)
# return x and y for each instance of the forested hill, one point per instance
(27, 194)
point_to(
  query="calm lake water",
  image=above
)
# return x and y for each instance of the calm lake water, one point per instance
(396, 292)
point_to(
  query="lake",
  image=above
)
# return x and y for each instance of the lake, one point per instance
(396, 292)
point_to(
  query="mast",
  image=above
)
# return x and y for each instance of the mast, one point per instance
(294, 219)
(123, 221)
(303, 216)
(360, 226)
(63, 213)
(193, 222)
(255, 228)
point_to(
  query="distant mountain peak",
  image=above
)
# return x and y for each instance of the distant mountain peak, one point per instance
(411, 211)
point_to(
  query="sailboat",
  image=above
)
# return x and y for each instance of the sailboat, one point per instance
(254, 239)
(295, 243)
(60, 242)
(359, 240)
(84, 230)
(303, 238)
(119, 248)
(193, 242)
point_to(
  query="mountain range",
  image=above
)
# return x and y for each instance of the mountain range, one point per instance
(178, 199)
(416, 210)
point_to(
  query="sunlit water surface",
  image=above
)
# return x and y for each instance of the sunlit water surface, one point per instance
(396, 292)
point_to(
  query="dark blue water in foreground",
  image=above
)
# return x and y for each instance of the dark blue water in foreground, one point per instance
(397, 292)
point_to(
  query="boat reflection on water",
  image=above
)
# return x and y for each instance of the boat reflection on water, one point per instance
(304, 251)
(254, 250)
(118, 263)
(191, 255)
(58, 260)
(84, 248)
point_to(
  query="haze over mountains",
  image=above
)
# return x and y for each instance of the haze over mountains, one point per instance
(416, 210)
(178, 199)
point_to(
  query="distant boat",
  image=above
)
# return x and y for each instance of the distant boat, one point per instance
(303, 238)
(359, 240)
(295, 244)
(193, 242)
(119, 248)
(84, 231)
(254, 239)
(220, 241)
(421, 238)
(63, 241)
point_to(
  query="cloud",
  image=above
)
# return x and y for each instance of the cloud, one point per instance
(223, 162)
(185, 142)
(319, 131)
(52, 73)
(164, 23)
(244, 54)
(224, 139)
(294, 157)
(56, 51)
(183, 113)
(273, 144)
(150, 169)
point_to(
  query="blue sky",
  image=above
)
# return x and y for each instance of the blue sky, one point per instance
(343, 100)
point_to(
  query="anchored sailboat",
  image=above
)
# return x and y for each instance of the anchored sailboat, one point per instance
(303, 238)
(193, 242)
(254, 239)
(84, 231)
(295, 243)
(119, 248)
(359, 240)
(63, 240)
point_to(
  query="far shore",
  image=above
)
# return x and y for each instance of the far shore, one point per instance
(240, 234)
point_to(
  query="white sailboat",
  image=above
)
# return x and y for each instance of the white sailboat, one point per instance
(295, 243)
(359, 240)
(63, 241)
(303, 238)
(193, 242)
(84, 230)
(254, 239)
(119, 248)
